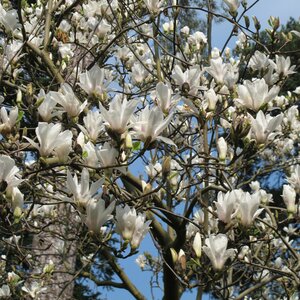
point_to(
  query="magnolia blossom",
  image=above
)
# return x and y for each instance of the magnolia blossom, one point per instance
(282, 66)
(47, 106)
(119, 113)
(9, 171)
(222, 148)
(164, 97)
(197, 244)
(83, 192)
(7, 122)
(289, 198)
(52, 140)
(216, 250)
(92, 125)
(294, 179)
(97, 215)
(259, 61)
(154, 6)
(189, 80)
(248, 208)
(226, 206)
(233, 5)
(34, 289)
(211, 99)
(107, 155)
(263, 126)
(254, 95)
(217, 69)
(130, 225)
(150, 124)
(92, 81)
(9, 19)
(5, 291)
(15, 197)
(68, 100)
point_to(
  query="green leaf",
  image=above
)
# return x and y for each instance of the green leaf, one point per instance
(20, 116)
(84, 154)
(136, 146)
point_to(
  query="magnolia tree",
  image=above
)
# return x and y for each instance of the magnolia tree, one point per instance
(116, 123)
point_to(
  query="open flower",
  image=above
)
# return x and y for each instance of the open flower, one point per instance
(226, 206)
(150, 124)
(83, 192)
(92, 125)
(9, 19)
(248, 208)
(8, 171)
(130, 225)
(92, 81)
(263, 126)
(289, 198)
(254, 95)
(52, 140)
(68, 100)
(119, 113)
(97, 215)
(7, 122)
(216, 250)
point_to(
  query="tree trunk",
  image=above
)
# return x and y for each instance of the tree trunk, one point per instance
(57, 243)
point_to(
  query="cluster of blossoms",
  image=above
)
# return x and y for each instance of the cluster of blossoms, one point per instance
(106, 136)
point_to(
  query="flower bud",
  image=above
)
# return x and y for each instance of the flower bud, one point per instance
(197, 245)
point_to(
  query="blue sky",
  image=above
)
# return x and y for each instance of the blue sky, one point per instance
(262, 10)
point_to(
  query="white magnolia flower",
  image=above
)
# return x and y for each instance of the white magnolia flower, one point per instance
(9, 19)
(197, 244)
(119, 113)
(153, 170)
(150, 123)
(217, 70)
(97, 215)
(211, 99)
(46, 108)
(15, 197)
(5, 291)
(254, 95)
(259, 61)
(187, 81)
(83, 192)
(154, 6)
(216, 250)
(282, 66)
(289, 198)
(7, 122)
(141, 261)
(34, 289)
(92, 124)
(233, 5)
(9, 171)
(130, 225)
(294, 179)
(68, 100)
(140, 230)
(92, 81)
(164, 97)
(107, 155)
(263, 126)
(52, 140)
(248, 208)
(222, 148)
(226, 206)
